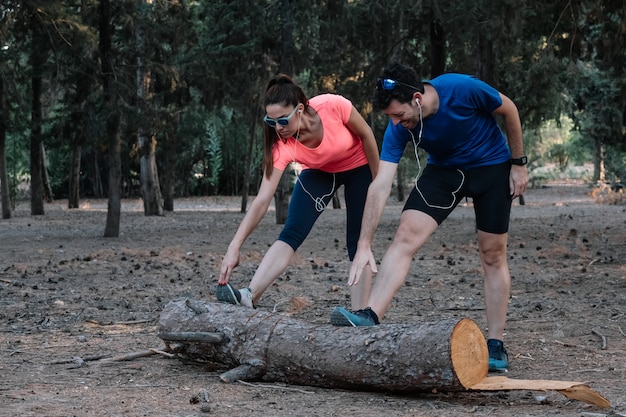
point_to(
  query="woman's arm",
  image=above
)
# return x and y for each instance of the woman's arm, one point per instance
(251, 220)
(359, 127)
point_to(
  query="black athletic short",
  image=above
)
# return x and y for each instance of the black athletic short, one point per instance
(439, 190)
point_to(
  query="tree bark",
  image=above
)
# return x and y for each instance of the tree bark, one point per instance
(281, 196)
(45, 177)
(37, 60)
(4, 178)
(149, 177)
(150, 188)
(114, 205)
(598, 161)
(169, 179)
(449, 355)
(73, 198)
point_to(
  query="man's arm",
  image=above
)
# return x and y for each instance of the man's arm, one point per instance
(518, 180)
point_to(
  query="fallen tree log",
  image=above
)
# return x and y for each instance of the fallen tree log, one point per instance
(450, 355)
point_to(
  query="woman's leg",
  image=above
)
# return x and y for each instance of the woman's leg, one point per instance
(303, 212)
(356, 183)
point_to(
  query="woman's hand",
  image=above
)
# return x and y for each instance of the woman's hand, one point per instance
(229, 263)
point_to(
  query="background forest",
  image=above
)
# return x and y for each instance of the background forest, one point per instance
(160, 98)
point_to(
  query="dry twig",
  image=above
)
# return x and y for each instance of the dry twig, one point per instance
(275, 387)
(603, 337)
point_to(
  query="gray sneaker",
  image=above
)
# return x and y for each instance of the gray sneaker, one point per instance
(226, 293)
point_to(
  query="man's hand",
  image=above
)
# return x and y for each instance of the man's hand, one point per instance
(518, 180)
(362, 258)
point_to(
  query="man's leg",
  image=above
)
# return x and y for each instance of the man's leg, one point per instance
(360, 293)
(414, 229)
(492, 248)
(497, 285)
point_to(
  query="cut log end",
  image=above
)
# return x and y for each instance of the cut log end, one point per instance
(468, 352)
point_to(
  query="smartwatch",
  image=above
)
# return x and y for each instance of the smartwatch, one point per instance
(520, 161)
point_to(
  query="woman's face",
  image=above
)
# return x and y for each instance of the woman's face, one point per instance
(280, 117)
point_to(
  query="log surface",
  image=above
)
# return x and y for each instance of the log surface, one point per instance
(450, 354)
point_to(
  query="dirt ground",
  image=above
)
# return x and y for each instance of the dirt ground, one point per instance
(70, 299)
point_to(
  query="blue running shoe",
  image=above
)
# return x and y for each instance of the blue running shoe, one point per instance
(226, 293)
(342, 317)
(498, 358)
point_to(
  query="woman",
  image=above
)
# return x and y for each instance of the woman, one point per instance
(335, 146)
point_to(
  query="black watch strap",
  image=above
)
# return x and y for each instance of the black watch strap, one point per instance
(520, 161)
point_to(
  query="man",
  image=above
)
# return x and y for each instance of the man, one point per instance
(452, 118)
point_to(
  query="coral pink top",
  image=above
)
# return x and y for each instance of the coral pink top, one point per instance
(340, 149)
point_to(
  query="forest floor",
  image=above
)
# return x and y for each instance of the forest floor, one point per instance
(70, 299)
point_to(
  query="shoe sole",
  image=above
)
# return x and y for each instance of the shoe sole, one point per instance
(338, 318)
(226, 294)
(499, 369)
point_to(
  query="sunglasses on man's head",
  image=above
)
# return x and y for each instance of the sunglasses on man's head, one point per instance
(389, 84)
(283, 121)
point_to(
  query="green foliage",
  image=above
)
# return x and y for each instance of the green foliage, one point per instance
(209, 62)
(214, 154)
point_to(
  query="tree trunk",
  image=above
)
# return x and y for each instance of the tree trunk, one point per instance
(149, 177)
(4, 178)
(45, 177)
(400, 179)
(437, 41)
(73, 198)
(449, 355)
(484, 52)
(245, 190)
(150, 188)
(281, 196)
(169, 179)
(598, 162)
(114, 206)
(37, 59)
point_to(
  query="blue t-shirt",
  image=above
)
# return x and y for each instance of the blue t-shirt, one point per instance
(462, 133)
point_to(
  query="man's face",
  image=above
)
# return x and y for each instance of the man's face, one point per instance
(403, 113)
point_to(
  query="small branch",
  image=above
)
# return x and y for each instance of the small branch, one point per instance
(620, 330)
(195, 306)
(166, 354)
(593, 262)
(131, 356)
(119, 323)
(565, 344)
(603, 337)
(244, 372)
(203, 337)
(275, 387)
(74, 360)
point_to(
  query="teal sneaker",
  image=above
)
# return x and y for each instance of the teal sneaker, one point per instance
(498, 358)
(226, 293)
(342, 317)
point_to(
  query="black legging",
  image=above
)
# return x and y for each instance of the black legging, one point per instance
(302, 208)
